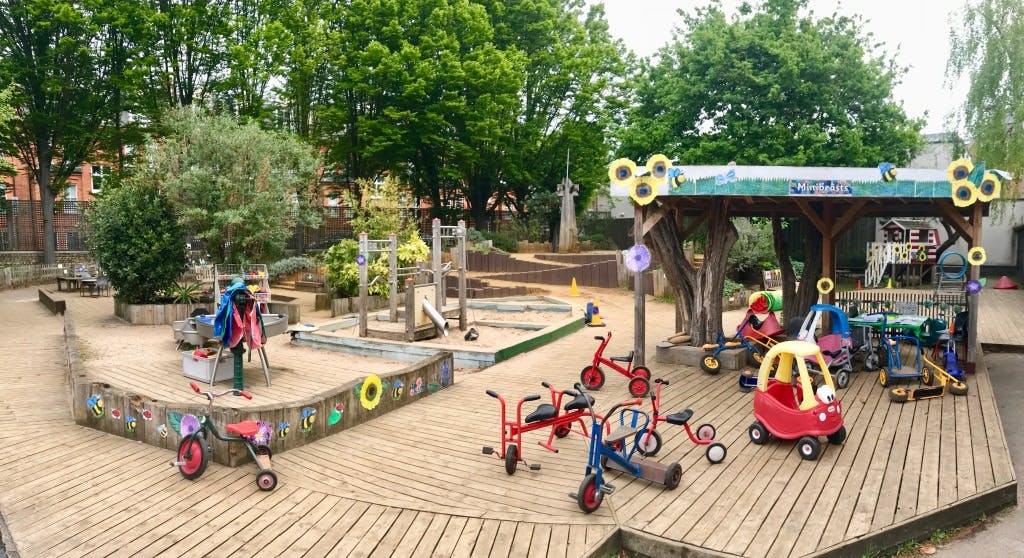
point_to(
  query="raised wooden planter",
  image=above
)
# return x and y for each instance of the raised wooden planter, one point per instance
(342, 306)
(158, 314)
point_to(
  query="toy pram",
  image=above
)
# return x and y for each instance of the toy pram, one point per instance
(836, 344)
(764, 334)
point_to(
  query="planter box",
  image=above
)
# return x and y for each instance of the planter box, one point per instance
(201, 368)
(156, 314)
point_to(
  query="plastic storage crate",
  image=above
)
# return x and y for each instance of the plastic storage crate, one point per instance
(199, 368)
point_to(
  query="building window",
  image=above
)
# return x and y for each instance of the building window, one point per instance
(100, 174)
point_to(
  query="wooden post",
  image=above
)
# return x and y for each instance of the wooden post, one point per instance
(410, 309)
(393, 281)
(364, 252)
(974, 273)
(436, 262)
(460, 234)
(828, 249)
(638, 286)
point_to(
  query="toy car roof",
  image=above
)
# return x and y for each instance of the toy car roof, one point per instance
(798, 348)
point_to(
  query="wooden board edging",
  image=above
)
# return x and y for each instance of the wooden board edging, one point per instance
(559, 331)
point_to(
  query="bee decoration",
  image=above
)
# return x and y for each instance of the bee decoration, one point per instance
(308, 418)
(95, 404)
(888, 171)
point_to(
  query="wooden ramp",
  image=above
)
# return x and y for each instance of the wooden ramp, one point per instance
(413, 482)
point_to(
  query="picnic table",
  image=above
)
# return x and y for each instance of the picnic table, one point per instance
(909, 323)
(73, 282)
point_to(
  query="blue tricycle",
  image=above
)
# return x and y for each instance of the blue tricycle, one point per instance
(617, 450)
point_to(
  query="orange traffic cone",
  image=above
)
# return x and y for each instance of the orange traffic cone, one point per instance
(859, 287)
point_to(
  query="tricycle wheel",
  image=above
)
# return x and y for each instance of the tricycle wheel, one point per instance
(650, 443)
(705, 432)
(193, 457)
(673, 475)
(589, 495)
(710, 365)
(639, 387)
(883, 377)
(809, 447)
(926, 375)
(871, 361)
(266, 480)
(511, 459)
(716, 452)
(592, 378)
(562, 430)
(642, 371)
(837, 437)
(956, 387)
(758, 433)
(755, 357)
(899, 395)
(842, 379)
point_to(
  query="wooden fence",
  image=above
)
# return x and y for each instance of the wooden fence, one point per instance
(943, 306)
(24, 275)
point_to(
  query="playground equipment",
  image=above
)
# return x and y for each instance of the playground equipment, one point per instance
(836, 344)
(546, 415)
(616, 450)
(593, 376)
(787, 406)
(911, 243)
(434, 311)
(935, 373)
(194, 453)
(650, 442)
(752, 335)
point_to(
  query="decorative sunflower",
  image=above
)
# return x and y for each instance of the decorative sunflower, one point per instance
(658, 166)
(825, 285)
(369, 396)
(977, 255)
(989, 187)
(964, 193)
(959, 170)
(644, 190)
(621, 172)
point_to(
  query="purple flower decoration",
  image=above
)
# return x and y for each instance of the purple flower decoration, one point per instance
(973, 287)
(262, 436)
(361, 259)
(189, 424)
(638, 258)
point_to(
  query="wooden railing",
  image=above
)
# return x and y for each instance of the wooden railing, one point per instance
(943, 306)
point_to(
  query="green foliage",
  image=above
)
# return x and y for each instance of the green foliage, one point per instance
(798, 268)
(501, 242)
(238, 187)
(754, 246)
(289, 265)
(185, 293)
(137, 241)
(412, 250)
(341, 272)
(770, 87)
(731, 287)
(378, 210)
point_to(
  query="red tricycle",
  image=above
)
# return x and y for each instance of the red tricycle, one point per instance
(650, 440)
(593, 378)
(546, 415)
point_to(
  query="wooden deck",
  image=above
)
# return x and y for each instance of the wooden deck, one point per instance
(1008, 307)
(414, 483)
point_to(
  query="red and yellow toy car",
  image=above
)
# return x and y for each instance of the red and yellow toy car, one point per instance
(787, 405)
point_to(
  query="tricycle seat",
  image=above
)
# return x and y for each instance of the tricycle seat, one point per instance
(679, 418)
(544, 411)
(246, 428)
(627, 358)
(619, 434)
(579, 402)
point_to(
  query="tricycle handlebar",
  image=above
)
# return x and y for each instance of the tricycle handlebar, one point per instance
(545, 384)
(492, 393)
(660, 381)
(599, 338)
(531, 398)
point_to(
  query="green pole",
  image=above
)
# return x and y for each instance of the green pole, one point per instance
(238, 350)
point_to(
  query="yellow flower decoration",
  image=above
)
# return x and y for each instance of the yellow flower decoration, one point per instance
(977, 256)
(369, 396)
(622, 172)
(989, 187)
(658, 166)
(825, 285)
(964, 193)
(959, 169)
(644, 190)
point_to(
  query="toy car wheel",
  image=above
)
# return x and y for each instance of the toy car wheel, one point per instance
(842, 379)
(710, 365)
(715, 452)
(705, 432)
(837, 437)
(589, 497)
(758, 433)
(511, 459)
(883, 377)
(592, 378)
(871, 362)
(809, 447)
(562, 430)
(755, 357)
(650, 443)
(639, 387)
(642, 371)
(926, 375)
(193, 457)
(956, 387)
(266, 480)
(899, 395)
(673, 475)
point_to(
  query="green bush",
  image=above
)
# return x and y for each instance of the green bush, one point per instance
(501, 242)
(136, 240)
(731, 287)
(754, 247)
(341, 272)
(289, 265)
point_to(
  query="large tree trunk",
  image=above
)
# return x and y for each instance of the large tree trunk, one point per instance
(796, 302)
(46, 198)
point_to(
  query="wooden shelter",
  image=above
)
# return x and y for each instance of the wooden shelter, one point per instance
(831, 198)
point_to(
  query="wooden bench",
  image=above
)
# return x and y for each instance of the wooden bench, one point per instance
(52, 301)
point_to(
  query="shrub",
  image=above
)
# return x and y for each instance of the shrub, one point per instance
(137, 241)
(289, 265)
(754, 247)
(342, 272)
(501, 242)
(731, 287)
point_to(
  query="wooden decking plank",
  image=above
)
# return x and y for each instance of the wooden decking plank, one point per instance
(337, 530)
(928, 487)
(983, 474)
(395, 533)
(336, 510)
(577, 544)
(425, 543)
(521, 542)
(282, 545)
(231, 526)
(539, 542)
(372, 536)
(502, 543)
(907, 502)
(485, 539)
(965, 476)
(558, 543)
(948, 457)
(888, 500)
(353, 535)
(467, 538)
(1002, 468)
(449, 539)
(411, 536)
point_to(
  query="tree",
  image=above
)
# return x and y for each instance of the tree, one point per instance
(769, 87)
(235, 186)
(986, 47)
(56, 55)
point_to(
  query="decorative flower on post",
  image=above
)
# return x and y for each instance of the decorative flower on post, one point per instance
(638, 258)
(973, 287)
(361, 259)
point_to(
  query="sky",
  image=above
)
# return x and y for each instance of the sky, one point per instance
(915, 33)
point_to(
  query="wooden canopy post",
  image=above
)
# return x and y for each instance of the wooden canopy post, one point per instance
(974, 273)
(639, 311)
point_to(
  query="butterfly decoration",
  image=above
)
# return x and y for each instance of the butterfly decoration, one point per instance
(726, 177)
(638, 258)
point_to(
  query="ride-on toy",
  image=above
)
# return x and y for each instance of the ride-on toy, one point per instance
(786, 406)
(836, 344)
(194, 453)
(934, 373)
(751, 335)
(592, 377)
(650, 442)
(616, 450)
(546, 415)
